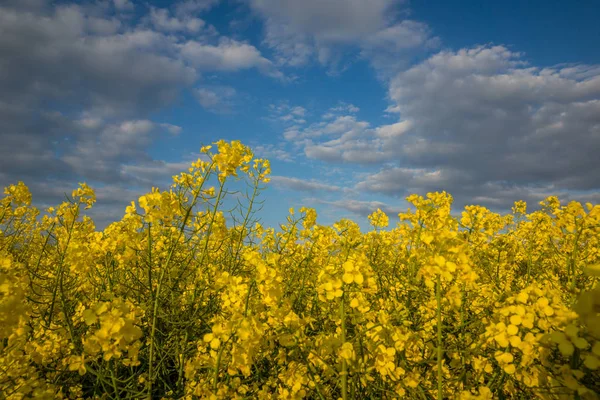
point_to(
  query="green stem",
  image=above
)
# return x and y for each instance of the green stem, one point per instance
(246, 218)
(573, 258)
(216, 371)
(114, 381)
(157, 297)
(150, 260)
(438, 296)
(344, 373)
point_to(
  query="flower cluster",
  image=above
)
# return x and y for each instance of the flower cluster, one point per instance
(184, 298)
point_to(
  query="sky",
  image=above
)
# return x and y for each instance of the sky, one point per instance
(357, 104)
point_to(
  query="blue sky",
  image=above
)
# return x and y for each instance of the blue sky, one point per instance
(357, 104)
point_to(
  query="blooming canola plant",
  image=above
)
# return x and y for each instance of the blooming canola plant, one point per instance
(173, 301)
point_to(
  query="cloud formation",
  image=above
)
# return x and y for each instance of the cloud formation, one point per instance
(303, 185)
(483, 121)
(291, 116)
(215, 98)
(163, 21)
(361, 207)
(323, 30)
(79, 84)
(335, 20)
(342, 138)
(82, 83)
(480, 123)
(272, 152)
(227, 55)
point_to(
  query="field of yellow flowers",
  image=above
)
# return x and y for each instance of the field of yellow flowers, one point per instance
(180, 299)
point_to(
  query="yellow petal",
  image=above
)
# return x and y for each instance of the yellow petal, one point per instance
(89, 316)
(510, 369)
(348, 278)
(358, 278)
(215, 343)
(566, 348)
(512, 330)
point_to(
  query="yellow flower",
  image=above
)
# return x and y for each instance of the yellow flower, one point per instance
(505, 358)
(516, 320)
(592, 362)
(512, 330)
(596, 349)
(352, 274)
(515, 341)
(566, 348)
(520, 207)
(427, 238)
(213, 341)
(379, 219)
(347, 351)
(77, 363)
(89, 316)
(581, 343)
(522, 297)
(412, 380)
(509, 369)
(385, 360)
(548, 311)
(130, 209)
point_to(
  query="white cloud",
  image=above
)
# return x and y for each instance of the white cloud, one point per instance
(115, 71)
(336, 20)
(394, 130)
(101, 69)
(123, 5)
(344, 108)
(389, 49)
(344, 139)
(400, 36)
(393, 109)
(112, 72)
(228, 55)
(163, 21)
(191, 7)
(291, 48)
(293, 116)
(172, 129)
(361, 207)
(324, 30)
(405, 179)
(101, 154)
(298, 111)
(303, 185)
(479, 123)
(219, 99)
(148, 173)
(104, 26)
(207, 98)
(485, 124)
(344, 125)
(30, 5)
(272, 152)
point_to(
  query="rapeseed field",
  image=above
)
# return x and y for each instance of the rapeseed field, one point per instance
(178, 301)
